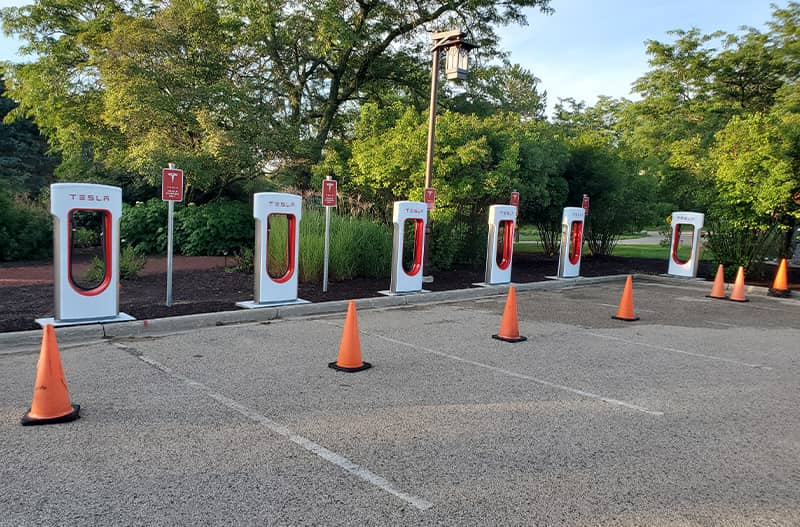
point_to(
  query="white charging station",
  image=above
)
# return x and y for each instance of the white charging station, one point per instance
(680, 221)
(408, 280)
(76, 300)
(500, 244)
(275, 290)
(569, 258)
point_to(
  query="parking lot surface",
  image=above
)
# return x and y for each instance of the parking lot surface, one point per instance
(689, 416)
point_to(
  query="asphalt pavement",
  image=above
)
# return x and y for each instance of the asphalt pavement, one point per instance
(688, 416)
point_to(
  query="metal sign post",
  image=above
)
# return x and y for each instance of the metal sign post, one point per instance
(514, 202)
(171, 191)
(328, 201)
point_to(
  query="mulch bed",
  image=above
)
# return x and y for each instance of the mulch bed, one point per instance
(218, 289)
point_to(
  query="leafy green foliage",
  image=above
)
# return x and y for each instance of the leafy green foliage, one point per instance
(504, 88)
(223, 89)
(243, 259)
(26, 229)
(478, 162)
(24, 163)
(216, 228)
(734, 245)
(359, 247)
(82, 238)
(621, 198)
(754, 173)
(144, 226)
(131, 263)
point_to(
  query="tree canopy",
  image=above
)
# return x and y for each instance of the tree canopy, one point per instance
(229, 90)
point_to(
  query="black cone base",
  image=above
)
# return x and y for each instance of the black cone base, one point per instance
(510, 339)
(634, 319)
(32, 421)
(717, 297)
(364, 366)
(734, 300)
(780, 293)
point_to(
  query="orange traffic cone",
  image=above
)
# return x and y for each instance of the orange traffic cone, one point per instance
(737, 295)
(509, 326)
(50, 394)
(625, 311)
(350, 349)
(780, 286)
(718, 289)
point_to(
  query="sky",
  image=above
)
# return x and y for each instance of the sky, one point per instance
(597, 47)
(592, 47)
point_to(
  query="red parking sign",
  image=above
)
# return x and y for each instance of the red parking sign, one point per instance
(328, 192)
(515, 198)
(172, 184)
(585, 204)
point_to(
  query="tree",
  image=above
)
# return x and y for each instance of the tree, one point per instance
(507, 87)
(172, 93)
(600, 166)
(479, 161)
(266, 83)
(672, 126)
(755, 177)
(693, 90)
(24, 163)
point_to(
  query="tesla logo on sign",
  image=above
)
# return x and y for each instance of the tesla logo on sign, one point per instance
(172, 184)
(329, 193)
(430, 197)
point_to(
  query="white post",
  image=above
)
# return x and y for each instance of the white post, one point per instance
(171, 208)
(327, 247)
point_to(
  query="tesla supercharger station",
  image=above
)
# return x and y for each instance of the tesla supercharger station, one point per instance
(680, 222)
(78, 301)
(275, 290)
(569, 259)
(406, 281)
(500, 244)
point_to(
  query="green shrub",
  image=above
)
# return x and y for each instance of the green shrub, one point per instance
(82, 238)
(144, 226)
(456, 240)
(131, 263)
(26, 229)
(213, 228)
(359, 247)
(243, 260)
(734, 245)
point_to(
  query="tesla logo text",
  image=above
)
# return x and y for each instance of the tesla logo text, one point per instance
(89, 197)
(282, 204)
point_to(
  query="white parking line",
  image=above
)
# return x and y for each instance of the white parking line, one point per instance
(683, 352)
(637, 309)
(727, 325)
(281, 430)
(576, 391)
